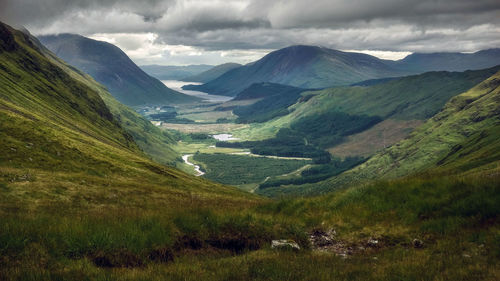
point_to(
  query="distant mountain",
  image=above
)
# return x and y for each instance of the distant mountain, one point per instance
(212, 73)
(301, 66)
(317, 67)
(419, 62)
(174, 72)
(109, 65)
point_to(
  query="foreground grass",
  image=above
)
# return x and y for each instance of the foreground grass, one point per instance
(456, 218)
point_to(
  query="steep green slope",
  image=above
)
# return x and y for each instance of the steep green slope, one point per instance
(274, 101)
(412, 97)
(155, 143)
(416, 97)
(301, 66)
(212, 73)
(110, 66)
(462, 137)
(174, 72)
(54, 126)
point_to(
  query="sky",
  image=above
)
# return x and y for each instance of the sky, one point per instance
(181, 32)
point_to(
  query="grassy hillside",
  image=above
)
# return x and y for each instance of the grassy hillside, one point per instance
(400, 100)
(413, 97)
(110, 66)
(461, 138)
(155, 143)
(301, 66)
(212, 73)
(274, 101)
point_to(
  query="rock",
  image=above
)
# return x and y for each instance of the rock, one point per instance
(285, 244)
(342, 255)
(466, 256)
(417, 243)
(320, 238)
(372, 243)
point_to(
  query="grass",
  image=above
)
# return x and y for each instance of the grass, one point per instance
(455, 217)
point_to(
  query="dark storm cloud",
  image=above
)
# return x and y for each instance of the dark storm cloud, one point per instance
(297, 13)
(43, 12)
(391, 25)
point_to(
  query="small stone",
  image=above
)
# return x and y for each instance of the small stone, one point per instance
(466, 256)
(342, 255)
(284, 244)
(375, 258)
(372, 242)
(417, 243)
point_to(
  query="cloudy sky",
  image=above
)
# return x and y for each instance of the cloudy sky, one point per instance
(180, 32)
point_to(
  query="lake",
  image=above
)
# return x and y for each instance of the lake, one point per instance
(177, 85)
(224, 137)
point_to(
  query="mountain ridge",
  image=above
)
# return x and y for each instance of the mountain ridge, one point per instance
(300, 66)
(319, 67)
(211, 73)
(110, 66)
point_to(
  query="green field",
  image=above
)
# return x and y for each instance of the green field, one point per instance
(243, 169)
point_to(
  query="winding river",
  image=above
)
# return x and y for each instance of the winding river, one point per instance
(199, 172)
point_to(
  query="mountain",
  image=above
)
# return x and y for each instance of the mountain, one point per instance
(301, 66)
(110, 66)
(422, 62)
(317, 67)
(212, 73)
(174, 72)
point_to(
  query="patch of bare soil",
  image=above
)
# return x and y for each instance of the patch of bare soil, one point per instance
(380, 136)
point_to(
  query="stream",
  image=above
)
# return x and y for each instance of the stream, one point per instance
(199, 172)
